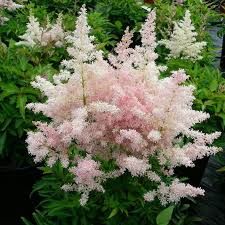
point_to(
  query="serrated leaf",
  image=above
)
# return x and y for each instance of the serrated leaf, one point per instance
(165, 216)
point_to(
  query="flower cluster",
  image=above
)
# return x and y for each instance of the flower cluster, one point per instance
(42, 36)
(179, 2)
(9, 4)
(182, 42)
(118, 111)
(173, 193)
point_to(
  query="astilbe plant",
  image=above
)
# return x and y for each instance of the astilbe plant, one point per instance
(119, 111)
(8, 5)
(182, 42)
(36, 35)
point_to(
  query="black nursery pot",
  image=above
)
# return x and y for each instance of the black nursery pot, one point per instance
(15, 188)
(194, 174)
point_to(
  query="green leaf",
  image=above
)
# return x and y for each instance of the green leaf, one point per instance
(21, 104)
(222, 115)
(165, 216)
(213, 85)
(25, 221)
(113, 213)
(218, 107)
(6, 123)
(222, 169)
(8, 89)
(23, 64)
(209, 103)
(29, 90)
(18, 123)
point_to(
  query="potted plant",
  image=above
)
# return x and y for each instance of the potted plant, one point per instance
(122, 127)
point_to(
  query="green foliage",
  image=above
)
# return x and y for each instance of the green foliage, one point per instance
(182, 216)
(121, 204)
(110, 18)
(101, 30)
(39, 219)
(65, 6)
(16, 73)
(122, 13)
(19, 66)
